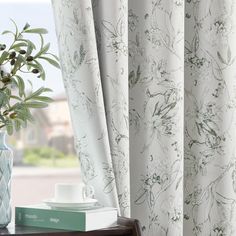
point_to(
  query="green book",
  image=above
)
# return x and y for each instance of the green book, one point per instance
(83, 220)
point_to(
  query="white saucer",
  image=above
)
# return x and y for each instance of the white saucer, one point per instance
(87, 204)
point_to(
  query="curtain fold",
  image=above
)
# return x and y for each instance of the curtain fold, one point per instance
(82, 80)
(156, 64)
(210, 199)
(112, 43)
(151, 87)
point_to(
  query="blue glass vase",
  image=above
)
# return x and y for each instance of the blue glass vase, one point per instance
(6, 161)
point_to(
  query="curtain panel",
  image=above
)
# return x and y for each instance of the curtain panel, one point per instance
(151, 87)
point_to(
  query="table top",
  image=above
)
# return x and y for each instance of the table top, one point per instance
(36, 231)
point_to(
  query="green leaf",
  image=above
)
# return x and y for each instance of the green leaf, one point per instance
(9, 127)
(56, 57)
(47, 90)
(42, 41)
(16, 28)
(26, 26)
(21, 85)
(35, 104)
(36, 31)
(42, 72)
(17, 124)
(15, 97)
(30, 64)
(37, 93)
(8, 32)
(3, 99)
(44, 99)
(30, 48)
(18, 62)
(13, 82)
(3, 57)
(24, 114)
(15, 106)
(51, 61)
(2, 118)
(18, 45)
(43, 50)
(28, 42)
(8, 92)
(29, 116)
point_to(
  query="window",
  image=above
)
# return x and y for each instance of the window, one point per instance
(31, 136)
(43, 153)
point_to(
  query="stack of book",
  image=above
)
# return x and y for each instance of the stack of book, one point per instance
(79, 220)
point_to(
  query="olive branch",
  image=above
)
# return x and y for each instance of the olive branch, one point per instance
(22, 56)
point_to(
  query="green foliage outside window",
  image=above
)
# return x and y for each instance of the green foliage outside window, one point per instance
(48, 157)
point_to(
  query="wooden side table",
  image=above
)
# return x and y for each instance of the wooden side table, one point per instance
(126, 227)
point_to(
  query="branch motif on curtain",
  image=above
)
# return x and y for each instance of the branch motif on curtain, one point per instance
(153, 108)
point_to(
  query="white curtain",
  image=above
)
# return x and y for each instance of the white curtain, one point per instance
(151, 87)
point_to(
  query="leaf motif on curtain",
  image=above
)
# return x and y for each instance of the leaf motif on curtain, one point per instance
(152, 91)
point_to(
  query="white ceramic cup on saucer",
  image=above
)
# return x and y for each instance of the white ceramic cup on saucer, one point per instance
(73, 193)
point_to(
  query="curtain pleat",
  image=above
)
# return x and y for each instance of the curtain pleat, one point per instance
(156, 48)
(210, 134)
(151, 87)
(112, 43)
(82, 80)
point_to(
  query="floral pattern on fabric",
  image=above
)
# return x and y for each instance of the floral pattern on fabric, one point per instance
(210, 197)
(152, 93)
(156, 79)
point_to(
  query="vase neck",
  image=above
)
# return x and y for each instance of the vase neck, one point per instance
(3, 140)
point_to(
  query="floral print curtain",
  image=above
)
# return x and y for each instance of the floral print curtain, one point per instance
(151, 87)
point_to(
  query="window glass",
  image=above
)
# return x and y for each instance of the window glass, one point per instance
(44, 152)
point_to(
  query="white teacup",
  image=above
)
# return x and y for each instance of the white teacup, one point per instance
(68, 192)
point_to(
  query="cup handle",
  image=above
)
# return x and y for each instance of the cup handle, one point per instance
(88, 191)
